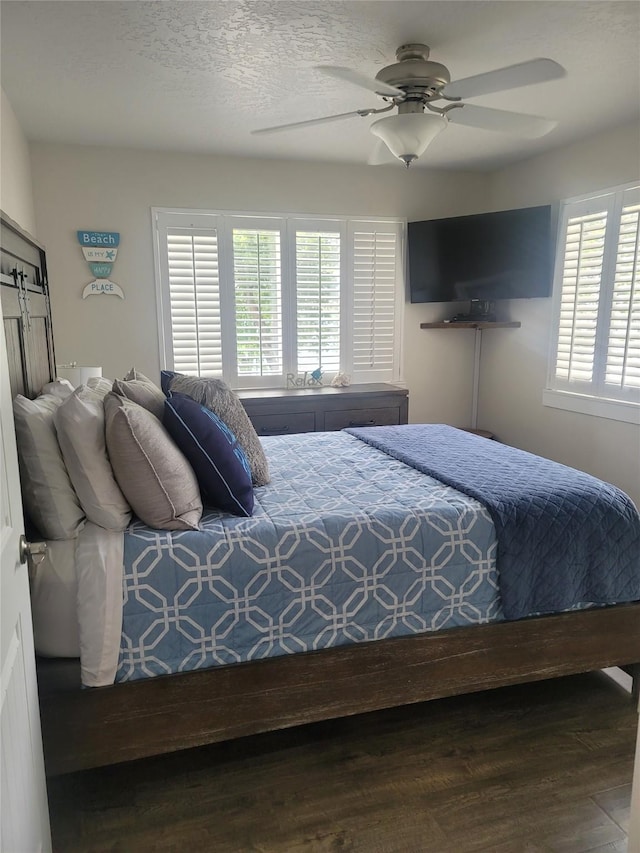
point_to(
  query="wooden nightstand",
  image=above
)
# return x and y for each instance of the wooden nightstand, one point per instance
(482, 432)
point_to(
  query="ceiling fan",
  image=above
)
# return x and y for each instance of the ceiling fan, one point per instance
(414, 83)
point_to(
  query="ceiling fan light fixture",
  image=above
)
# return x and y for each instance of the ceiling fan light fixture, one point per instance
(408, 135)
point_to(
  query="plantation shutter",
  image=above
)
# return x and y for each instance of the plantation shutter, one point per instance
(623, 346)
(318, 303)
(377, 291)
(581, 276)
(257, 275)
(597, 292)
(194, 297)
(254, 298)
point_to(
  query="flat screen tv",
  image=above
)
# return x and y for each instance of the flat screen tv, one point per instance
(486, 257)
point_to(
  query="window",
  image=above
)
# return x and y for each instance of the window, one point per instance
(595, 359)
(258, 300)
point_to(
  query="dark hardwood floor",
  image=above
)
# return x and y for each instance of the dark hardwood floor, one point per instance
(529, 769)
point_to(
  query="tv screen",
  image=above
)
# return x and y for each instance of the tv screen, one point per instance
(488, 256)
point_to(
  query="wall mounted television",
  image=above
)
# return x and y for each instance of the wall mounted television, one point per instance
(481, 258)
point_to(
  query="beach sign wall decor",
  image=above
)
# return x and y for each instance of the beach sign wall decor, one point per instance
(100, 249)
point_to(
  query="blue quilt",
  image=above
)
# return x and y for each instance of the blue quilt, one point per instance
(564, 537)
(346, 544)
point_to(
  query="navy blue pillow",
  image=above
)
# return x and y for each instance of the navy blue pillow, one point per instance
(165, 380)
(217, 459)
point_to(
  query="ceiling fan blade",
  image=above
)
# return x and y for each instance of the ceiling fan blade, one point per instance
(380, 155)
(501, 121)
(511, 77)
(308, 123)
(362, 80)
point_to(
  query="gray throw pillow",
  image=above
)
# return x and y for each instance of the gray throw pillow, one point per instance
(152, 472)
(217, 396)
(135, 386)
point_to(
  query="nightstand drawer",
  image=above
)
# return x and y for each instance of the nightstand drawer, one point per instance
(285, 423)
(361, 417)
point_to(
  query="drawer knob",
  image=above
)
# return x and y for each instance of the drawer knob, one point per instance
(362, 423)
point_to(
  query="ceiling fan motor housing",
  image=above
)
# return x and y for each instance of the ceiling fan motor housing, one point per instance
(414, 73)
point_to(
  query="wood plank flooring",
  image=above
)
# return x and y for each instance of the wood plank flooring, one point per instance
(538, 768)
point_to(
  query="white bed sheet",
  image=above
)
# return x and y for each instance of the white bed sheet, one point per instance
(76, 602)
(54, 590)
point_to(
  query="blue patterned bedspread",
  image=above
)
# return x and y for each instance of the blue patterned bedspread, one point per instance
(346, 545)
(564, 537)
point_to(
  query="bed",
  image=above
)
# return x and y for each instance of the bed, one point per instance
(467, 640)
(404, 603)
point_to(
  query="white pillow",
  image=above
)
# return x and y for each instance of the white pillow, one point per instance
(59, 388)
(47, 492)
(79, 424)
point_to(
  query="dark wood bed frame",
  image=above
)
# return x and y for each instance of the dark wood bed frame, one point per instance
(101, 726)
(106, 725)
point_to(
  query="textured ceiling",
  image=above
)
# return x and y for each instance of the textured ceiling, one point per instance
(198, 76)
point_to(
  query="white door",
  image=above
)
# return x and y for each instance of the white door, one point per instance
(24, 815)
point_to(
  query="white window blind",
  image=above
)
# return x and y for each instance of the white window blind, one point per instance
(376, 255)
(194, 290)
(623, 347)
(258, 304)
(255, 299)
(318, 284)
(581, 277)
(597, 296)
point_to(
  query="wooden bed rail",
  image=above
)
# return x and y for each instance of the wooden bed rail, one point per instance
(107, 725)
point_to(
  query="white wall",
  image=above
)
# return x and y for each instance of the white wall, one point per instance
(16, 189)
(81, 187)
(514, 361)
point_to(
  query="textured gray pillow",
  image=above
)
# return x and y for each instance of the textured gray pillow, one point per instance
(152, 472)
(135, 386)
(217, 396)
(80, 428)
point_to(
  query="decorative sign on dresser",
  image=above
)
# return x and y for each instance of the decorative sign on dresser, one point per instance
(280, 412)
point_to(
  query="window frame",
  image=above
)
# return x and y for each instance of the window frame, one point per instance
(593, 397)
(290, 223)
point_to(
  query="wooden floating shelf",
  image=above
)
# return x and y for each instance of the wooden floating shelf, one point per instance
(515, 324)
